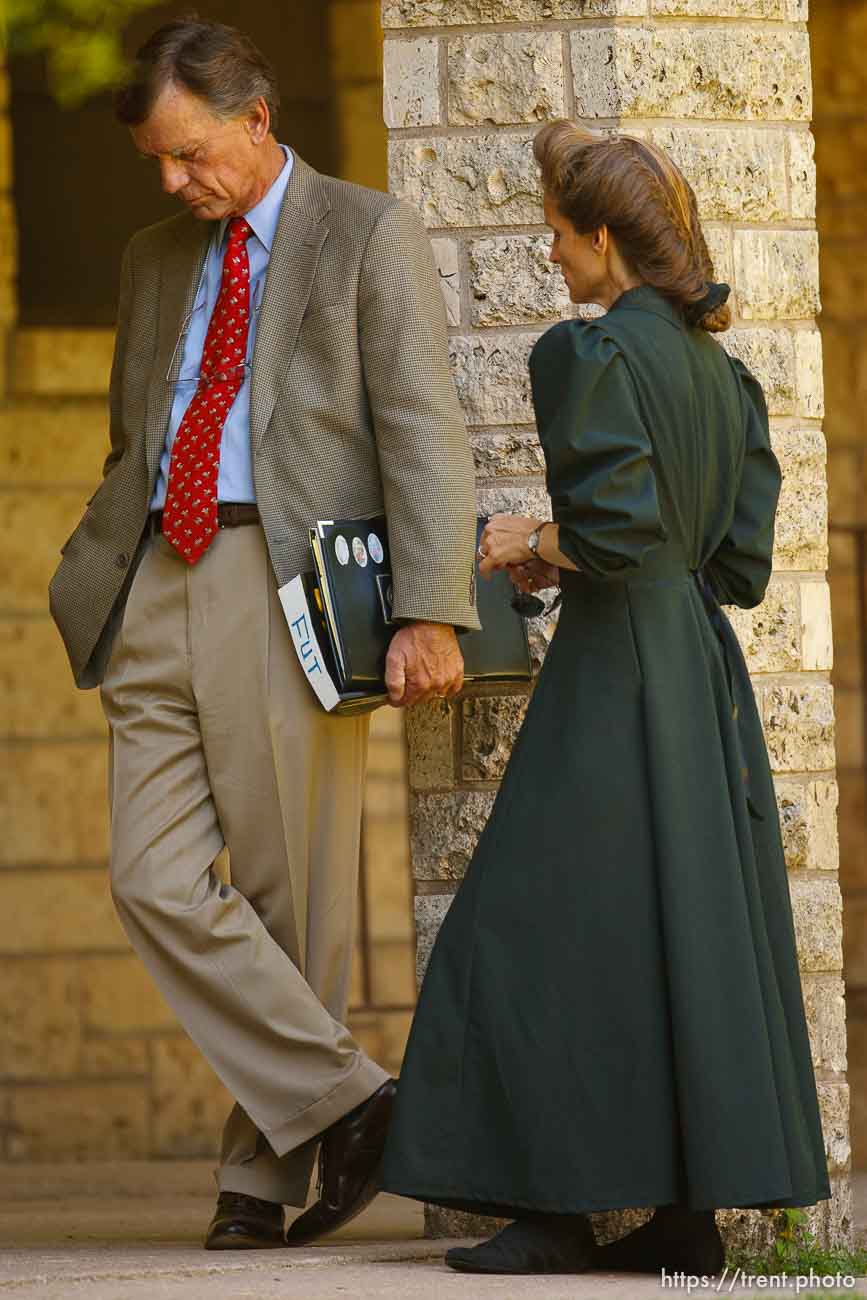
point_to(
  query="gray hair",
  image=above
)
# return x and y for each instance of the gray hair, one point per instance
(217, 63)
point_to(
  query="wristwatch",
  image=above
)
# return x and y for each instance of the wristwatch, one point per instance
(534, 539)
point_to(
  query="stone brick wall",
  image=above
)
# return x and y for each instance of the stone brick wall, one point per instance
(838, 30)
(725, 86)
(92, 1063)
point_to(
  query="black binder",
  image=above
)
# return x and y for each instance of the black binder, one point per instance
(351, 589)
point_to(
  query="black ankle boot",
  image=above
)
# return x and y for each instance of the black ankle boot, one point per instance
(540, 1243)
(676, 1239)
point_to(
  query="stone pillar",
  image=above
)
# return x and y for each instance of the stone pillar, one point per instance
(8, 233)
(355, 58)
(838, 31)
(724, 85)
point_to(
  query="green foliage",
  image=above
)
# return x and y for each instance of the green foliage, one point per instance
(797, 1252)
(80, 39)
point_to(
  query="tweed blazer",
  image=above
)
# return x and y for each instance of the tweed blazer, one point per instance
(353, 409)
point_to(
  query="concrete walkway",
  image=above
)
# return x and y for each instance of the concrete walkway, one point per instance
(133, 1232)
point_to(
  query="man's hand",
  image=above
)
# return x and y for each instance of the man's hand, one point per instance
(424, 660)
(535, 575)
(504, 543)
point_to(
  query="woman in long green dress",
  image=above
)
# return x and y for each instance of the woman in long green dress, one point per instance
(612, 1015)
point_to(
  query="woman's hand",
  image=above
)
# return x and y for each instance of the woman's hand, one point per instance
(534, 575)
(504, 543)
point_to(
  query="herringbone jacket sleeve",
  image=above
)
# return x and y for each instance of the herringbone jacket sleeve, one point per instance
(424, 454)
(124, 307)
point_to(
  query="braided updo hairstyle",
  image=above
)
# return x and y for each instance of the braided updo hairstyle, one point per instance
(634, 189)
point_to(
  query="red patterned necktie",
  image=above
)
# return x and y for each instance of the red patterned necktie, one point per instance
(190, 511)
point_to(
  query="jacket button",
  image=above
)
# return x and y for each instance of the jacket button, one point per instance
(122, 560)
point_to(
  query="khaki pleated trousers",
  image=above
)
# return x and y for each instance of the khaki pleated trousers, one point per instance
(217, 740)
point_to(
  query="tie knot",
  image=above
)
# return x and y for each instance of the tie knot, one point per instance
(240, 230)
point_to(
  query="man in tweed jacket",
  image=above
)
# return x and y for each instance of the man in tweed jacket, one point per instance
(345, 408)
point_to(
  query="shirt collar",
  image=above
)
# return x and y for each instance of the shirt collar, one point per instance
(263, 218)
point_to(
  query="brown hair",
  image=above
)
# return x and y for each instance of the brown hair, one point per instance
(634, 189)
(215, 62)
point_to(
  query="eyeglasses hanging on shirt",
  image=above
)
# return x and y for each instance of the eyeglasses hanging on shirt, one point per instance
(189, 383)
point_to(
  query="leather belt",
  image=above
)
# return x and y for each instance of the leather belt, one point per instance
(230, 514)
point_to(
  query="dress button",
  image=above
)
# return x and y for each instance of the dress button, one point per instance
(122, 560)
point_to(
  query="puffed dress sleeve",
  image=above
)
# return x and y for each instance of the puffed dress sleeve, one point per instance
(598, 452)
(741, 565)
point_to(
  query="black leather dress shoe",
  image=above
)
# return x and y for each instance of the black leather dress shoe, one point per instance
(245, 1223)
(676, 1239)
(349, 1161)
(544, 1243)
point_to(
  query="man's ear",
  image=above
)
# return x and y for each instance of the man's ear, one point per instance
(600, 241)
(258, 121)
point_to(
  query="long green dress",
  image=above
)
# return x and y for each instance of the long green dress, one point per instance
(612, 1015)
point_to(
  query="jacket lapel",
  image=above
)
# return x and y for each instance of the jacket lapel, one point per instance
(301, 232)
(180, 272)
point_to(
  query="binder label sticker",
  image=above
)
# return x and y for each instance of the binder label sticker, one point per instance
(374, 545)
(341, 549)
(360, 552)
(294, 601)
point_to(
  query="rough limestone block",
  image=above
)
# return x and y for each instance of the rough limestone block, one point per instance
(770, 633)
(808, 368)
(513, 282)
(817, 909)
(504, 453)
(833, 1220)
(62, 362)
(53, 439)
(58, 912)
(33, 526)
(492, 378)
(40, 1019)
(799, 726)
(490, 728)
(737, 175)
(450, 1225)
(817, 644)
(488, 180)
(744, 73)
(411, 76)
(777, 274)
(802, 174)
(80, 1121)
(515, 497)
(808, 820)
(825, 1007)
(505, 78)
(104, 1057)
(770, 355)
(36, 686)
(430, 909)
(53, 803)
(801, 540)
(430, 739)
(718, 8)
(447, 258)
(190, 1105)
(440, 13)
(445, 830)
(798, 11)
(834, 1109)
(118, 996)
(719, 246)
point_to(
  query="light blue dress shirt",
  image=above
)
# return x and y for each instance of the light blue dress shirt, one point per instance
(235, 482)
